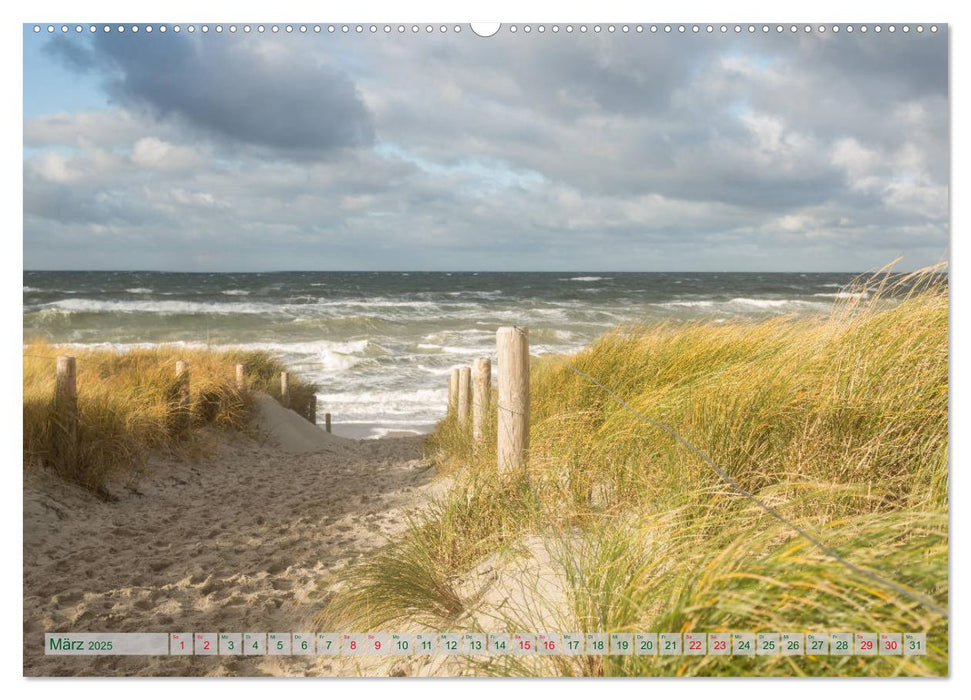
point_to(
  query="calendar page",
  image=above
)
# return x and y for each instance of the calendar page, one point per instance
(522, 349)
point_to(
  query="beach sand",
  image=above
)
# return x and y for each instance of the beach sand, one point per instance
(246, 538)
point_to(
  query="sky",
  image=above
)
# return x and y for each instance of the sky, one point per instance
(611, 151)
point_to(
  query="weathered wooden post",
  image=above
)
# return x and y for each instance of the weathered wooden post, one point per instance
(183, 407)
(465, 391)
(327, 421)
(285, 389)
(241, 377)
(481, 396)
(66, 414)
(313, 409)
(453, 391)
(512, 344)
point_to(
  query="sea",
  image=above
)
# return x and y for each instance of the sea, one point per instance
(381, 345)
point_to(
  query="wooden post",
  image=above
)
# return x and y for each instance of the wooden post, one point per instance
(465, 391)
(313, 409)
(453, 391)
(183, 407)
(481, 396)
(65, 445)
(241, 377)
(512, 344)
(285, 389)
(327, 421)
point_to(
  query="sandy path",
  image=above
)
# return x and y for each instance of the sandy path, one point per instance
(236, 541)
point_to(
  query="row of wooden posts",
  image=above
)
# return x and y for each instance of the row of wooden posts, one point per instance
(66, 403)
(470, 393)
(469, 398)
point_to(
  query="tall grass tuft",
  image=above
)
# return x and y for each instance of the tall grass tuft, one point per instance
(127, 403)
(838, 421)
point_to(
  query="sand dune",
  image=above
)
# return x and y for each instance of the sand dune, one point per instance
(238, 540)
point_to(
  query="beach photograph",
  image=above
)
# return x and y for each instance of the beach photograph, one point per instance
(513, 350)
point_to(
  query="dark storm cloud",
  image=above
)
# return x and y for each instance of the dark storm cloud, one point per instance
(219, 83)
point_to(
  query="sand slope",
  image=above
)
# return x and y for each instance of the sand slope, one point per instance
(239, 540)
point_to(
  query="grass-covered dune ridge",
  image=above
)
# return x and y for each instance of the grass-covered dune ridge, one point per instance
(127, 403)
(839, 422)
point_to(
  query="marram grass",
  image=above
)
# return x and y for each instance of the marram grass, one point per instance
(840, 422)
(126, 403)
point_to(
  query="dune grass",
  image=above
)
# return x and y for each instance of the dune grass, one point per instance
(840, 422)
(127, 404)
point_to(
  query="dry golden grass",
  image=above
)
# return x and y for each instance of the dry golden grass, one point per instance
(840, 422)
(127, 403)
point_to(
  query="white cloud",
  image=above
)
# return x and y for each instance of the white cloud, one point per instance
(153, 153)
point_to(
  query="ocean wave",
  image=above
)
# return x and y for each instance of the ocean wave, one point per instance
(414, 404)
(235, 292)
(772, 303)
(843, 295)
(437, 371)
(699, 304)
(139, 290)
(30, 290)
(584, 279)
(161, 307)
(742, 304)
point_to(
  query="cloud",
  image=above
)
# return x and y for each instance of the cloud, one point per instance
(151, 152)
(455, 152)
(227, 87)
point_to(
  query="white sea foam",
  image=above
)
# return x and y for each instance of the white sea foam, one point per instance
(161, 307)
(697, 304)
(235, 292)
(584, 279)
(139, 290)
(843, 295)
(426, 403)
(28, 290)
